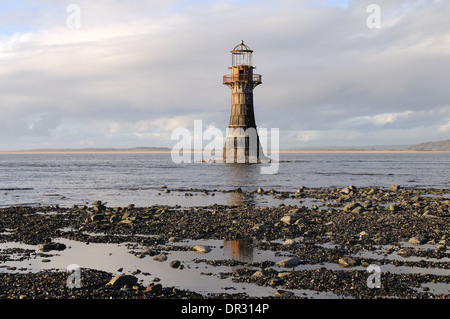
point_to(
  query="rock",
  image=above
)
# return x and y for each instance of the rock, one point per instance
(416, 241)
(290, 262)
(347, 262)
(403, 252)
(394, 187)
(429, 214)
(175, 263)
(348, 190)
(283, 293)
(201, 249)
(160, 257)
(260, 227)
(358, 209)
(260, 190)
(51, 246)
(154, 287)
(350, 207)
(394, 208)
(287, 219)
(99, 208)
(441, 247)
(122, 280)
(259, 273)
(275, 282)
(97, 217)
(363, 234)
(288, 242)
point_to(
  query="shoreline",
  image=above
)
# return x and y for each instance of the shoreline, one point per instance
(404, 231)
(349, 151)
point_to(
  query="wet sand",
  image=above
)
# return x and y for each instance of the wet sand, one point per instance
(316, 243)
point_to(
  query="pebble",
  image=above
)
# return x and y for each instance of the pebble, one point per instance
(201, 249)
(289, 262)
(347, 262)
(160, 257)
(122, 280)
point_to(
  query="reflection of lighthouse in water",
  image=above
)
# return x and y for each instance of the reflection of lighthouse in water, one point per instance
(240, 250)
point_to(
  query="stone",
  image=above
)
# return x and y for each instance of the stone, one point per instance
(394, 187)
(283, 293)
(350, 207)
(403, 252)
(358, 209)
(394, 208)
(348, 190)
(260, 190)
(122, 280)
(99, 208)
(289, 262)
(97, 217)
(153, 288)
(175, 263)
(416, 241)
(201, 249)
(275, 282)
(160, 257)
(347, 262)
(363, 234)
(288, 242)
(287, 219)
(51, 246)
(259, 273)
(429, 214)
(441, 247)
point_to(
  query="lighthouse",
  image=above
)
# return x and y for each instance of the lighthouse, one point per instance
(242, 143)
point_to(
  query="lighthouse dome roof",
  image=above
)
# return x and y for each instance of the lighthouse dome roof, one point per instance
(241, 47)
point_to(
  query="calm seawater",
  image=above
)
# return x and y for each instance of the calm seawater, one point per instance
(121, 179)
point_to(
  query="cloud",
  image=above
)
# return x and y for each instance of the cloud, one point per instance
(136, 69)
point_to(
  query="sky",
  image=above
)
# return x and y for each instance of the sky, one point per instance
(110, 73)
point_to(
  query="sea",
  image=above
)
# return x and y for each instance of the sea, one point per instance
(120, 179)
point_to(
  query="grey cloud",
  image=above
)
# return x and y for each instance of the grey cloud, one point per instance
(323, 69)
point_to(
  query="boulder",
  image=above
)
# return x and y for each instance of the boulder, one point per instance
(347, 262)
(350, 207)
(288, 219)
(154, 287)
(201, 249)
(175, 263)
(160, 257)
(259, 273)
(51, 246)
(394, 187)
(415, 241)
(122, 280)
(283, 293)
(290, 262)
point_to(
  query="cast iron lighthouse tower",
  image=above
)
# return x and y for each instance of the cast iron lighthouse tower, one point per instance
(242, 142)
